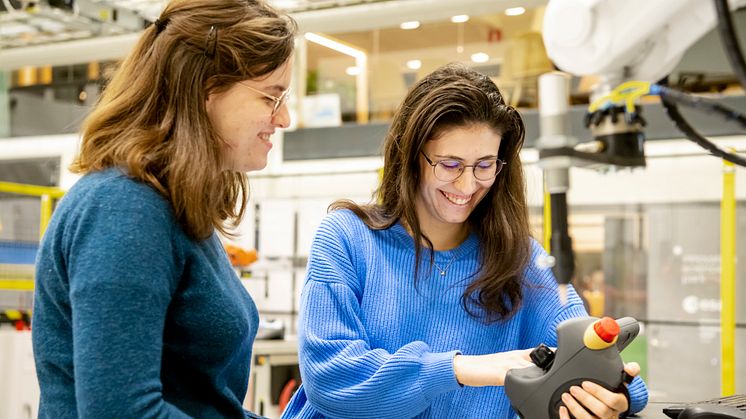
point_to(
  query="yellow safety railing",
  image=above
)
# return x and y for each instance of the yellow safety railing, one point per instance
(46, 193)
(14, 277)
(17, 285)
(728, 281)
(547, 214)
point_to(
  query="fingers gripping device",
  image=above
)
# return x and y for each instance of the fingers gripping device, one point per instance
(587, 350)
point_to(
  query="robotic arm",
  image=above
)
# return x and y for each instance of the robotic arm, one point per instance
(625, 40)
(635, 42)
(641, 40)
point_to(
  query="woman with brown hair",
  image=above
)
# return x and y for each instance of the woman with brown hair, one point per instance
(138, 312)
(417, 306)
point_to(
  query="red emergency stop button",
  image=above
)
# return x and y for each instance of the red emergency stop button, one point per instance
(606, 328)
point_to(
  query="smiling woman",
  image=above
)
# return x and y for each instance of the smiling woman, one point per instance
(246, 115)
(446, 197)
(138, 312)
(382, 333)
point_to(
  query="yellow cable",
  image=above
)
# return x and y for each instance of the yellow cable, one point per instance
(624, 94)
(610, 97)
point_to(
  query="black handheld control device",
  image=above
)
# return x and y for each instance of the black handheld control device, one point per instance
(587, 350)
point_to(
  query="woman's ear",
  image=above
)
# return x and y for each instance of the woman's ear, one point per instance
(210, 102)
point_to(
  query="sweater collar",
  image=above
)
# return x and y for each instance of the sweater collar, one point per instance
(468, 246)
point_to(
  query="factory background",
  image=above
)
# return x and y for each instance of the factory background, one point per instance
(647, 240)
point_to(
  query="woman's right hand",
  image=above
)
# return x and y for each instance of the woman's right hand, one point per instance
(490, 369)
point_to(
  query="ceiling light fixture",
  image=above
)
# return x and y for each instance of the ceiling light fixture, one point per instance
(480, 57)
(515, 11)
(459, 18)
(412, 24)
(414, 64)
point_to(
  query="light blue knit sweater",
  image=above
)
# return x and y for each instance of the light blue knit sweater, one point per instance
(374, 345)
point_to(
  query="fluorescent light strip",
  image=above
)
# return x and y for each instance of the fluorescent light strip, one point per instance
(336, 46)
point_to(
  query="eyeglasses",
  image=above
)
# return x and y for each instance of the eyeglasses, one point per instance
(278, 101)
(450, 170)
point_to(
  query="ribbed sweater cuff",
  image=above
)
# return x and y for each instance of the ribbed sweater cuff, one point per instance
(438, 376)
(638, 395)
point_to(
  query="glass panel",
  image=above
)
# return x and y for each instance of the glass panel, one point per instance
(660, 263)
(507, 48)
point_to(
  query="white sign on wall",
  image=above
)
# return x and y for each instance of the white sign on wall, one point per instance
(323, 110)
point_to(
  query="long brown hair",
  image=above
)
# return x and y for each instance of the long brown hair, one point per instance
(456, 96)
(151, 119)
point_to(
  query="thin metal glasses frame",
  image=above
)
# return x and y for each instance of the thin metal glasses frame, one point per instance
(498, 162)
(279, 101)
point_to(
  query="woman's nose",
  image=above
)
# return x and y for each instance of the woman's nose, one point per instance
(282, 117)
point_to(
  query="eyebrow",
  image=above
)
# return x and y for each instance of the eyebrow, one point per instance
(276, 88)
(452, 157)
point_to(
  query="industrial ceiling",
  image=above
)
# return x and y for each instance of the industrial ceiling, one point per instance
(25, 23)
(61, 32)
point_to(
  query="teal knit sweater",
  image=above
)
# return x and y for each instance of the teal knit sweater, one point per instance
(375, 345)
(133, 319)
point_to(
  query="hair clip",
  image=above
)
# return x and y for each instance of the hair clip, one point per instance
(212, 42)
(160, 25)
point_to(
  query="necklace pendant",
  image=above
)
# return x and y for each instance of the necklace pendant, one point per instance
(442, 273)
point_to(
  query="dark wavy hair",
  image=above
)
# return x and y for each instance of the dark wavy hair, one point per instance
(456, 96)
(152, 120)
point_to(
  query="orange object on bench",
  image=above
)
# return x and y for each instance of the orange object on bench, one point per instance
(240, 256)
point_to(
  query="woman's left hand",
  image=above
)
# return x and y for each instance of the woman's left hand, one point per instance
(590, 400)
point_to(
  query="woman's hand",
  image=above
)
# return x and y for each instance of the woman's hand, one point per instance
(489, 370)
(590, 400)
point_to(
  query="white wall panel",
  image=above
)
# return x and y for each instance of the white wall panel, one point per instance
(310, 214)
(19, 388)
(276, 223)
